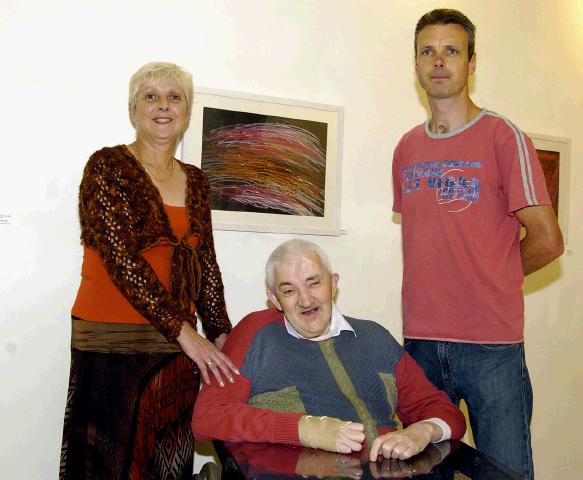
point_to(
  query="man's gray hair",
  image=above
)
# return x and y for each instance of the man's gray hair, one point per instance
(295, 246)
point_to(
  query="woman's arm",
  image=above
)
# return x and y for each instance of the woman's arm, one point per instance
(210, 304)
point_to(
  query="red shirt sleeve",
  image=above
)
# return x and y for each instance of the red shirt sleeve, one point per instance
(224, 414)
(419, 399)
(397, 178)
(521, 174)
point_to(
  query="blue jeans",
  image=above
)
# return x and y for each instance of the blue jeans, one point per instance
(493, 380)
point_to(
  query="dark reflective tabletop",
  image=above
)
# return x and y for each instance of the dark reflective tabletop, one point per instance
(447, 460)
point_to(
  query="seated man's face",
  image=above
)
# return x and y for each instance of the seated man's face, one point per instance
(304, 290)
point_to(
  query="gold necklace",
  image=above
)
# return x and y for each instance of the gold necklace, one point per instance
(134, 151)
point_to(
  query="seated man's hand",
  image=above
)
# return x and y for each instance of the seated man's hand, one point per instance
(350, 438)
(332, 434)
(403, 444)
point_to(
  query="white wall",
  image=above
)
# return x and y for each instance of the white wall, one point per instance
(66, 65)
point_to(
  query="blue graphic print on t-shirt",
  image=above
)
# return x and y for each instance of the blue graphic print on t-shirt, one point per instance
(450, 179)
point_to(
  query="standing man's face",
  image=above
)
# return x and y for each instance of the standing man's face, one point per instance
(442, 62)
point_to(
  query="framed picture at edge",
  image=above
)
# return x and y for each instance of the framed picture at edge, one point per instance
(273, 164)
(553, 154)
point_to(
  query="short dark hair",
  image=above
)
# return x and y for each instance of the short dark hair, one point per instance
(448, 16)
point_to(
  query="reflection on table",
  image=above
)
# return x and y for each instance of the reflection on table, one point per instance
(446, 460)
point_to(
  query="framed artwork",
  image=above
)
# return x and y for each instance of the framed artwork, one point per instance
(273, 164)
(553, 153)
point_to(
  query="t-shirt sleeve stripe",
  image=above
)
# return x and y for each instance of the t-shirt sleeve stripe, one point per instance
(528, 167)
(525, 163)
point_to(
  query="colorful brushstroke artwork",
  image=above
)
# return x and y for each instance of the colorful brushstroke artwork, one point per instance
(550, 162)
(264, 164)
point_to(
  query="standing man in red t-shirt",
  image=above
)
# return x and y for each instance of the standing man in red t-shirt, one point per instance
(465, 182)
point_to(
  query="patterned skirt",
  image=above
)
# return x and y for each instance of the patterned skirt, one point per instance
(129, 405)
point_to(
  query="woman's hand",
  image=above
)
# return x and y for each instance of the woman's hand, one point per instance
(220, 340)
(206, 356)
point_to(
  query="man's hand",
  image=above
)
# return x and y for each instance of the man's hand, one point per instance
(350, 438)
(329, 433)
(403, 444)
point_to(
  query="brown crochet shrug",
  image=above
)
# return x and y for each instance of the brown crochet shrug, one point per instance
(122, 215)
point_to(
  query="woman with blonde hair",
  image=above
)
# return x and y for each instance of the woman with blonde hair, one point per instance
(149, 268)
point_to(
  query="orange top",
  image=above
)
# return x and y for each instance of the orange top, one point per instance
(99, 300)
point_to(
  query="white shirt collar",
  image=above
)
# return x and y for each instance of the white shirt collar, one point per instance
(337, 324)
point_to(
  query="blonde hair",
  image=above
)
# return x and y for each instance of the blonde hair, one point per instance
(156, 71)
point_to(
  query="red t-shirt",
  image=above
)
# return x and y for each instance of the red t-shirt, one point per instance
(457, 194)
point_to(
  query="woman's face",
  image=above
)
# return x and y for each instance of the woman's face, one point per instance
(161, 112)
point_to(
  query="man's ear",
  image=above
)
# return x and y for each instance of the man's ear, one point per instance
(273, 299)
(472, 64)
(335, 278)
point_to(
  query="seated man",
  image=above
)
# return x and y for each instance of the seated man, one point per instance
(312, 377)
